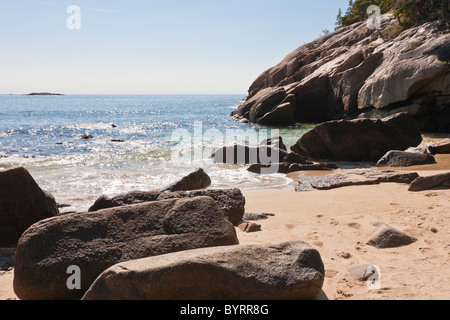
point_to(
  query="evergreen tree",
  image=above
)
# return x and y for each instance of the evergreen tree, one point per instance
(407, 12)
(338, 23)
(350, 8)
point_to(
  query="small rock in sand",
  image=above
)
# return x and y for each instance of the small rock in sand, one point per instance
(389, 237)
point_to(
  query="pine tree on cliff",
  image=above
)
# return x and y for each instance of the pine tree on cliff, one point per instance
(338, 23)
(408, 12)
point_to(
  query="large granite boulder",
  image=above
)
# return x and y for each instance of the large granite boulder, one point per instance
(354, 70)
(230, 201)
(96, 241)
(360, 139)
(22, 203)
(288, 271)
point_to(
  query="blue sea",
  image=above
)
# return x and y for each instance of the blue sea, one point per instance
(44, 135)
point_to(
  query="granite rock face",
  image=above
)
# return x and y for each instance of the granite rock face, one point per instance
(354, 70)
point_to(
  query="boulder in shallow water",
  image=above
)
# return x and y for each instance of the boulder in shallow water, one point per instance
(244, 154)
(193, 181)
(288, 271)
(87, 136)
(276, 142)
(98, 240)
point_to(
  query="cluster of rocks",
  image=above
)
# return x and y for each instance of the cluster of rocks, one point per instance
(357, 72)
(389, 142)
(270, 157)
(159, 245)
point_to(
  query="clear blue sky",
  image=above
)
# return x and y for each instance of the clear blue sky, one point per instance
(152, 46)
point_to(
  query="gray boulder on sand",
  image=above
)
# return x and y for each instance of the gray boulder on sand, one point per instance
(363, 272)
(389, 237)
(288, 271)
(22, 203)
(396, 158)
(249, 227)
(230, 201)
(425, 183)
(193, 181)
(98, 240)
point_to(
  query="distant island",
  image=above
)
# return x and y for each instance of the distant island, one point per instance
(44, 94)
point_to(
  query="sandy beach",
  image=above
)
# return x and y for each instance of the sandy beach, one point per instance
(339, 222)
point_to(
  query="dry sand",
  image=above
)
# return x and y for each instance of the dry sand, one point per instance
(339, 222)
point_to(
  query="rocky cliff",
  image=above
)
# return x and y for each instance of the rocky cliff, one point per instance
(357, 72)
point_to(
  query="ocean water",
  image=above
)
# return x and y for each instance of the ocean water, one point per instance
(162, 138)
